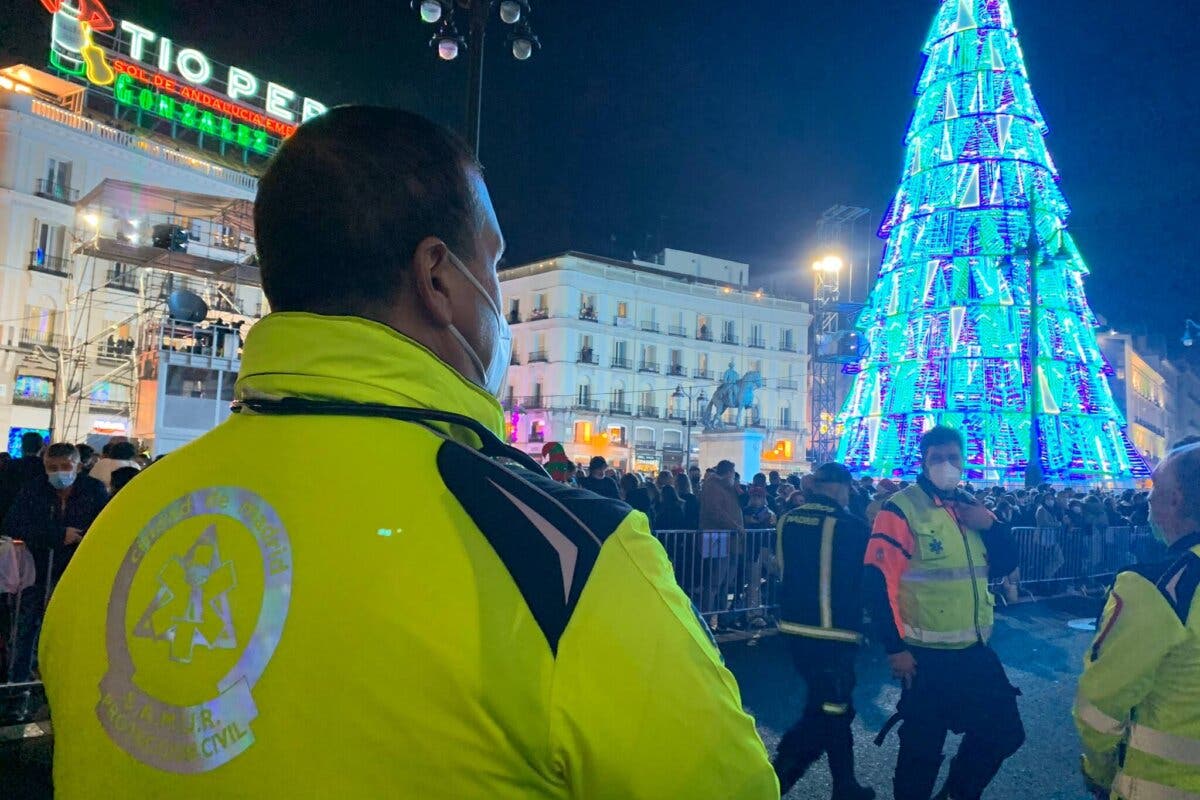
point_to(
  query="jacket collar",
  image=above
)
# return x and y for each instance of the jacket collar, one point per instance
(356, 360)
(1185, 543)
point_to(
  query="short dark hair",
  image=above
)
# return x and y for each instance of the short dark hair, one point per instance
(123, 451)
(86, 451)
(683, 483)
(62, 450)
(122, 476)
(939, 435)
(31, 443)
(724, 467)
(347, 199)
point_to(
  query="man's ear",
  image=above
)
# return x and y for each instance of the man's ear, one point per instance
(430, 268)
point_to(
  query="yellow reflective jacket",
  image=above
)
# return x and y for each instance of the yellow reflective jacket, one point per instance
(320, 606)
(943, 595)
(1138, 705)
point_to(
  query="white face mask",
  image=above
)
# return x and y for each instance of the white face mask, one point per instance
(945, 476)
(493, 374)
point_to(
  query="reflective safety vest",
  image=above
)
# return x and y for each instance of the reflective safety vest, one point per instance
(325, 606)
(943, 594)
(1138, 705)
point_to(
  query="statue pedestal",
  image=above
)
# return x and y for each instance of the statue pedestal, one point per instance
(742, 447)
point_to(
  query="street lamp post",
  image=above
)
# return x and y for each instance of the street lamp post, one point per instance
(449, 44)
(680, 394)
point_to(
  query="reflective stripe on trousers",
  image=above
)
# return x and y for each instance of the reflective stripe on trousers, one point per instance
(1132, 788)
(947, 637)
(834, 634)
(944, 574)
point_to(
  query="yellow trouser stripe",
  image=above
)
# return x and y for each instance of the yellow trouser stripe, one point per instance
(836, 634)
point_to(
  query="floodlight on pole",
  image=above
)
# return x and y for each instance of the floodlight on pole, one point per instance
(1191, 329)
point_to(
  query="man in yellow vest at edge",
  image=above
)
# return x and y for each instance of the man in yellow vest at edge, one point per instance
(353, 588)
(931, 552)
(1138, 705)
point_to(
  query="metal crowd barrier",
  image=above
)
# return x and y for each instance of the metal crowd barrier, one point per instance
(24, 594)
(1058, 561)
(730, 576)
(733, 581)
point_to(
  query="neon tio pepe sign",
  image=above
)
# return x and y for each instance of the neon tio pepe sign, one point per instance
(182, 84)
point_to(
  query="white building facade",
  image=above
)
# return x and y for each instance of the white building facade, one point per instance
(618, 359)
(1141, 392)
(75, 326)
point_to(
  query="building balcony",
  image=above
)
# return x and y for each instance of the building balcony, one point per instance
(588, 314)
(787, 347)
(539, 314)
(758, 344)
(514, 360)
(788, 385)
(38, 400)
(704, 335)
(622, 322)
(786, 424)
(677, 370)
(59, 192)
(537, 436)
(586, 404)
(124, 280)
(48, 341)
(649, 412)
(115, 351)
(538, 356)
(620, 408)
(622, 363)
(729, 338)
(649, 327)
(588, 356)
(51, 265)
(513, 318)
(703, 374)
(676, 330)
(648, 366)
(534, 401)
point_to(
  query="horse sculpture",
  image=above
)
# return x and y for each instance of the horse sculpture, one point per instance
(730, 394)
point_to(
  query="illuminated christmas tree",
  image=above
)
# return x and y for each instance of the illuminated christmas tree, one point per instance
(947, 322)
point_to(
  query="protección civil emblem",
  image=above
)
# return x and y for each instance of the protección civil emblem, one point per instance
(196, 612)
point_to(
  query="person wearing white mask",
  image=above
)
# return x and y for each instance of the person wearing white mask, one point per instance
(932, 550)
(495, 634)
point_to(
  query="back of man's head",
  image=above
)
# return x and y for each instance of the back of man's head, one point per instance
(347, 199)
(724, 468)
(31, 443)
(123, 451)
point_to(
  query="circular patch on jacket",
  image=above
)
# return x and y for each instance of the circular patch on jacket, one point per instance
(196, 611)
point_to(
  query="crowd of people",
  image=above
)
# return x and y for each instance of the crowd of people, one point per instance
(675, 499)
(49, 497)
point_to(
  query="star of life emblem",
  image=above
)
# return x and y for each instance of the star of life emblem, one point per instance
(191, 607)
(189, 619)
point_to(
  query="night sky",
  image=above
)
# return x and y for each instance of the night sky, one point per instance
(727, 127)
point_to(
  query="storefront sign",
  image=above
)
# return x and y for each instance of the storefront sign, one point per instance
(150, 72)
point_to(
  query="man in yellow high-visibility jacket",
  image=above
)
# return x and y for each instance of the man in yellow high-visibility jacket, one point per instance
(354, 588)
(931, 552)
(1138, 705)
